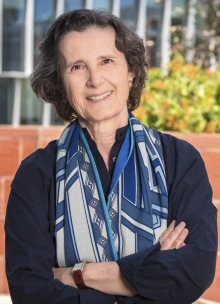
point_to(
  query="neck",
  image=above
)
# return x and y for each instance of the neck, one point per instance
(104, 134)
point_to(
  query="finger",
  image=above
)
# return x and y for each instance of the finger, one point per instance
(165, 234)
(172, 237)
(181, 238)
(182, 245)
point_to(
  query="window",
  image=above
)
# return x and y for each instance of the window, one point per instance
(107, 4)
(154, 23)
(72, 5)
(13, 35)
(55, 120)
(31, 107)
(178, 8)
(6, 100)
(44, 15)
(129, 13)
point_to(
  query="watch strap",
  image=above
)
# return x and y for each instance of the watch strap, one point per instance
(77, 276)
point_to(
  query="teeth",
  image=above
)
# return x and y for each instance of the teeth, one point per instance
(95, 98)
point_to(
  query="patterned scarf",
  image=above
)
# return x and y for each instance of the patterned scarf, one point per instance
(135, 214)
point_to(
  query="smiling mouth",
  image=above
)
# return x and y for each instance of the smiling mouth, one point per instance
(100, 97)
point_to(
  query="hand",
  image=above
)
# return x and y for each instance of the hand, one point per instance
(173, 238)
(107, 278)
(64, 275)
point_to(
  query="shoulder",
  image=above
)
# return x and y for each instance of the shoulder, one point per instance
(34, 182)
(40, 163)
(179, 157)
(176, 150)
(175, 146)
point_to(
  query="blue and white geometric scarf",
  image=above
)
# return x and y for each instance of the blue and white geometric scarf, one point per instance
(89, 228)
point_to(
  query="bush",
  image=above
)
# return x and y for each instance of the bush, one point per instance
(187, 99)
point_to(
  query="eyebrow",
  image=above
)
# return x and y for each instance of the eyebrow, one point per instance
(70, 64)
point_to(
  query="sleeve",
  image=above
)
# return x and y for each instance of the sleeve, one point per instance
(30, 250)
(179, 275)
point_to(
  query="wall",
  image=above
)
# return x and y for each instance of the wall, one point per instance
(17, 143)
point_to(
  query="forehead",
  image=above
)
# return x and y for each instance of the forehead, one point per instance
(92, 41)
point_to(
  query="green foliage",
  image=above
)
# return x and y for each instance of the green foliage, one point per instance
(187, 99)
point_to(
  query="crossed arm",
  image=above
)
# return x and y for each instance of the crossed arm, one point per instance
(167, 275)
(106, 276)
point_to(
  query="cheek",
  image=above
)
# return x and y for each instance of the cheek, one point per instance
(70, 84)
(122, 80)
(123, 88)
(77, 101)
(73, 92)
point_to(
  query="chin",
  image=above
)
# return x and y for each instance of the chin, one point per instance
(106, 114)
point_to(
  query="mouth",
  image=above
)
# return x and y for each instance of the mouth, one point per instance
(99, 97)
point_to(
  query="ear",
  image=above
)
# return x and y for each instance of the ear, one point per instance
(131, 76)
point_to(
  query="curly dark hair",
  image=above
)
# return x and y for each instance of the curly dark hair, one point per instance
(46, 78)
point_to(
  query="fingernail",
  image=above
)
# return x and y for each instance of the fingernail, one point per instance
(182, 225)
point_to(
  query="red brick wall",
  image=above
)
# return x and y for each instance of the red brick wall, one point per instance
(17, 143)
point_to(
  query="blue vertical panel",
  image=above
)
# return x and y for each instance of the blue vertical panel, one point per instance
(6, 100)
(151, 3)
(106, 4)
(179, 9)
(13, 35)
(129, 13)
(31, 107)
(70, 5)
(154, 23)
(44, 14)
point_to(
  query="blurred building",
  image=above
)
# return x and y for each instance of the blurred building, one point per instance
(23, 24)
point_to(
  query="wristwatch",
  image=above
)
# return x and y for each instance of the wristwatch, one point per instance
(77, 274)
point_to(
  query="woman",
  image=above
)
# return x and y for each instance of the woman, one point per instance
(107, 190)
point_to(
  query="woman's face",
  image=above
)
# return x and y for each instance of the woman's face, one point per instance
(95, 74)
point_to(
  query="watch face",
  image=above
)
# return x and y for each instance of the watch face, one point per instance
(77, 266)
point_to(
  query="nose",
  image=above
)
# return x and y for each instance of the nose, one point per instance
(94, 77)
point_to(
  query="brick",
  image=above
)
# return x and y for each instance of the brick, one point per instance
(212, 162)
(200, 141)
(4, 192)
(52, 132)
(2, 237)
(2, 272)
(22, 131)
(5, 284)
(2, 195)
(29, 145)
(218, 221)
(213, 293)
(3, 280)
(48, 134)
(43, 143)
(8, 157)
(7, 188)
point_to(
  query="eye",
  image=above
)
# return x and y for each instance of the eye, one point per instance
(106, 61)
(77, 67)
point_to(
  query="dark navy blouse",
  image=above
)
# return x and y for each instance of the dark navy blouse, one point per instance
(177, 276)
